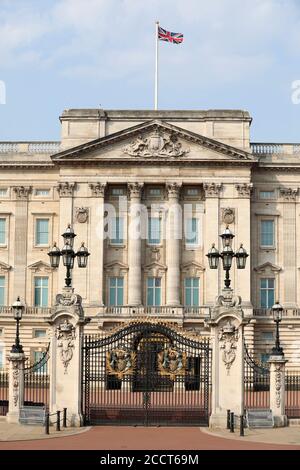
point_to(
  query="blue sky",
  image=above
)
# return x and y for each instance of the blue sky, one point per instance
(58, 54)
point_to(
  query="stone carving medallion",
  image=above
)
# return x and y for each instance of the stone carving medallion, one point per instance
(156, 145)
(228, 337)
(120, 362)
(81, 214)
(228, 216)
(66, 335)
(171, 362)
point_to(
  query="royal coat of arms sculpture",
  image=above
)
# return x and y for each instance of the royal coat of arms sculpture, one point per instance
(120, 362)
(171, 362)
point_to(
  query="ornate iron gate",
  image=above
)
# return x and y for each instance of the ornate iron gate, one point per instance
(256, 381)
(37, 382)
(146, 374)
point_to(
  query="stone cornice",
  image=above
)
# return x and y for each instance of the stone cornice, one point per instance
(73, 154)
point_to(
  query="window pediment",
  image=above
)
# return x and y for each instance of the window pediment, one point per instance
(116, 268)
(40, 266)
(192, 269)
(4, 267)
(155, 269)
(268, 268)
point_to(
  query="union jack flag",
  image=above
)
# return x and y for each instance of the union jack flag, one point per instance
(167, 36)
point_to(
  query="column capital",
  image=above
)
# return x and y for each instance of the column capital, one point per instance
(173, 189)
(22, 192)
(289, 194)
(65, 189)
(97, 189)
(212, 189)
(244, 190)
(135, 189)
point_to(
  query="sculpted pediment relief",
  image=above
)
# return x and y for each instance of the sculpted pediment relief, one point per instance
(192, 269)
(155, 269)
(153, 140)
(116, 268)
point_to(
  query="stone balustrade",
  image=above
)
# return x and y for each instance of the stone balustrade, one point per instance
(162, 311)
(275, 149)
(36, 311)
(48, 147)
(267, 312)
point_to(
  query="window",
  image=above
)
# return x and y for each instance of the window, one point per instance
(42, 232)
(41, 367)
(117, 191)
(154, 291)
(2, 231)
(191, 291)
(1, 358)
(267, 194)
(264, 357)
(154, 192)
(1, 331)
(191, 234)
(267, 291)
(267, 335)
(41, 292)
(154, 230)
(116, 291)
(267, 233)
(2, 290)
(117, 231)
(192, 192)
(3, 192)
(42, 192)
(39, 333)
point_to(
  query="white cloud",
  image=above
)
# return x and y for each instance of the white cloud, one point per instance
(110, 38)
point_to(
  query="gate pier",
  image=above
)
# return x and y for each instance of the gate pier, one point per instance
(67, 322)
(227, 332)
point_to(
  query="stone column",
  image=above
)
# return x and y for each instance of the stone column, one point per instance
(67, 322)
(16, 386)
(134, 245)
(227, 332)
(173, 241)
(277, 390)
(96, 242)
(212, 230)
(65, 191)
(20, 245)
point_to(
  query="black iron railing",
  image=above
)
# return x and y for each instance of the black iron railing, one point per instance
(256, 382)
(3, 393)
(37, 382)
(292, 394)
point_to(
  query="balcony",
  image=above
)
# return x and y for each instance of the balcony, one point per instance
(48, 147)
(164, 312)
(33, 311)
(267, 312)
(275, 149)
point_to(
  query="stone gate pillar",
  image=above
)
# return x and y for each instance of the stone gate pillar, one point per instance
(16, 386)
(67, 322)
(227, 329)
(277, 390)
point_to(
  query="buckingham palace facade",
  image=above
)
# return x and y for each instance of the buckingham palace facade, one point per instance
(115, 177)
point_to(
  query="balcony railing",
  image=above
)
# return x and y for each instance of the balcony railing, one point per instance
(267, 312)
(163, 311)
(48, 147)
(275, 149)
(36, 311)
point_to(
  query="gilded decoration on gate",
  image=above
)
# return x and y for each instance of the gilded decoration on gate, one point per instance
(120, 362)
(171, 362)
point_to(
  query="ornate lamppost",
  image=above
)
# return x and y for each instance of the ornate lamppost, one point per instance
(68, 255)
(227, 256)
(277, 310)
(18, 309)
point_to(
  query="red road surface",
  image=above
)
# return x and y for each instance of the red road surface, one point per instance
(139, 438)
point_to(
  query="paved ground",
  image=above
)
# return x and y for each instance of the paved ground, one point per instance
(152, 438)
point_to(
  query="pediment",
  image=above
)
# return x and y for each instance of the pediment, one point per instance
(40, 266)
(192, 269)
(268, 267)
(4, 266)
(155, 264)
(153, 141)
(116, 268)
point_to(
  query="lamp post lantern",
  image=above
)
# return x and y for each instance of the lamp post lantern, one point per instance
(277, 310)
(68, 254)
(18, 309)
(227, 255)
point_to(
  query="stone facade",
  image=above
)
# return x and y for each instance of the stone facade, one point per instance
(201, 162)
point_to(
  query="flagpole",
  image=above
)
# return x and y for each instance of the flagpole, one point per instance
(156, 67)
